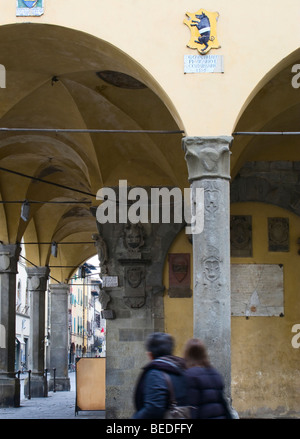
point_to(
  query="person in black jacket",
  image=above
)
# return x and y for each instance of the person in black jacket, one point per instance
(151, 396)
(205, 383)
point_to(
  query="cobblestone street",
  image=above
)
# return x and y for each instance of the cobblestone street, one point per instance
(58, 405)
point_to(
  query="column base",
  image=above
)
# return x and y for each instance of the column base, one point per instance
(38, 387)
(61, 384)
(9, 392)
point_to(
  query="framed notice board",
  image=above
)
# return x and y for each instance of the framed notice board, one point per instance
(90, 384)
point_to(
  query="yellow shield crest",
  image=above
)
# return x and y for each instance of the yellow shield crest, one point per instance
(203, 27)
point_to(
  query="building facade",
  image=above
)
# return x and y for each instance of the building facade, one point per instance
(86, 327)
(106, 104)
(22, 319)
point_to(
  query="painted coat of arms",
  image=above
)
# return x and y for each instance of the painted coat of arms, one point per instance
(203, 27)
(27, 8)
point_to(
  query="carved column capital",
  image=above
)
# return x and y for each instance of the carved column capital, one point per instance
(9, 256)
(37, 278)
(207, 157)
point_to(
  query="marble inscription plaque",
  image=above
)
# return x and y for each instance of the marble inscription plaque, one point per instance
(257, 290)
(203, 64)
(29, 8)
(110, 281)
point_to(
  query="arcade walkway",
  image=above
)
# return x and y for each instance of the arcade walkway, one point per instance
(58, 405)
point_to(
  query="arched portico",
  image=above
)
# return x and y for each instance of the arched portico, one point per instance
(64, 80)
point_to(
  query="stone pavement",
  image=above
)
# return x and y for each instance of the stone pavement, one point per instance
(58, 405)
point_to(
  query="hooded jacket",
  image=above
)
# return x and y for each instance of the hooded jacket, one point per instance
(152, 394)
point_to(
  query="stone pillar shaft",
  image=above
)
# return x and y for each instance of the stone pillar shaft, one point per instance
(135, 307)
(59, 336)
(208, 166)
(9, 384)
(37, 284)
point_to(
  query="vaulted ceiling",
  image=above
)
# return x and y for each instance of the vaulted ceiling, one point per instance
(62, 79)
(273, 107)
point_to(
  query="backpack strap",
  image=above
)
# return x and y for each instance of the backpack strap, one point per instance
(172, 399)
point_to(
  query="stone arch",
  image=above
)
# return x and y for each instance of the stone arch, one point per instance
(273, 106)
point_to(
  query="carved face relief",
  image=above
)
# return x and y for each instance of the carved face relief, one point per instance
(212, 268)
(133, 237)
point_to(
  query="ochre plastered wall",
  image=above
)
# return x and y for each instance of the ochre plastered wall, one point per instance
(265, 365)
(254, 37)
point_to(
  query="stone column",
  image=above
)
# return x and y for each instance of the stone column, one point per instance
(208, 161)
(9, 384)
(59, 336)
(37, 285)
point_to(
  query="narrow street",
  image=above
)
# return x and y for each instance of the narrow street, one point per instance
(58, 405)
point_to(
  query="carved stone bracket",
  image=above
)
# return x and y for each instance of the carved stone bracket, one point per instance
(104, 298)
(102, 252)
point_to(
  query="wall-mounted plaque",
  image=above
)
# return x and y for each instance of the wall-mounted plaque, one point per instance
(30, 8)
(257, 290)
(179, 275)
(278, 234)
(108, 314)
(240, 236)
(201, 64)
(110, 281)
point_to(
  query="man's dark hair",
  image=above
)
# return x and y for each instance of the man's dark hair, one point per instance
(160, 344)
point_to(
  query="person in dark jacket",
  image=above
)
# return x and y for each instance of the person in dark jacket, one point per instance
(152, 394)
(205, 383)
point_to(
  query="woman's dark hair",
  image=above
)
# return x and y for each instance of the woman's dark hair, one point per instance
(160, 344)
(195, 353)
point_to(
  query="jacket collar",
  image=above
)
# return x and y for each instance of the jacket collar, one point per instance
(168, 363)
